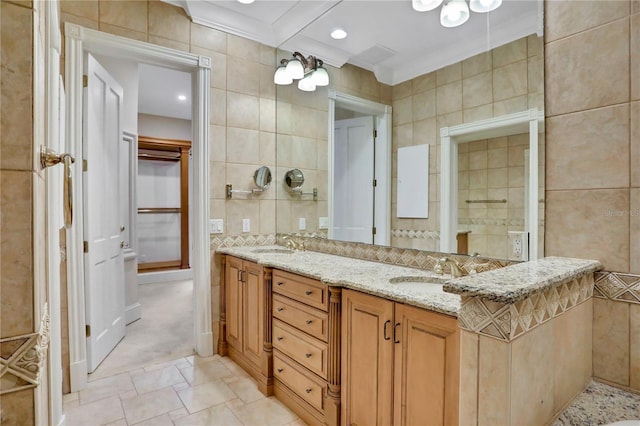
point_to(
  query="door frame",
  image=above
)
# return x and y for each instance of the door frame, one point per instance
(530, 121)
(382, 121)
(79, 40)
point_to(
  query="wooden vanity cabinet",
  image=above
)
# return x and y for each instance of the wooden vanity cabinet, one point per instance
(245, 319)
(306, 347)
(400, 364)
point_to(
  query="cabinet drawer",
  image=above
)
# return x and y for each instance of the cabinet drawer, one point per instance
(302, 289)
(304, 349)
(301, 316)
(308, 387)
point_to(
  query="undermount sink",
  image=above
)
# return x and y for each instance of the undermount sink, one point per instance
(421, 282)
(272, 251)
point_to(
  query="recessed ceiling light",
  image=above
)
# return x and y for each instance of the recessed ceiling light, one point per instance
(246, 1)
(182, 98)
(338, 34)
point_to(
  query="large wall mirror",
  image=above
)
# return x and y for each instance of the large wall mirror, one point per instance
(312, 127)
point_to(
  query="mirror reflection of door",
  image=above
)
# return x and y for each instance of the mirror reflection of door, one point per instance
(354, 174)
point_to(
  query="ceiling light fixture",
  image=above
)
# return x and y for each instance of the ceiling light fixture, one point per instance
(338, 34)
(246, 1)
(182, 98)
(309, 71)
(455, 12)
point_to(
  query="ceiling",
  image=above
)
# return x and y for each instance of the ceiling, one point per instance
(384, 36)
(158, 91)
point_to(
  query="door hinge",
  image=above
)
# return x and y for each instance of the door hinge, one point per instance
(375, 134)
(85, 81)
(85, 246)
(375, 182)
(84, 165)
(87, 330)
(373, 230)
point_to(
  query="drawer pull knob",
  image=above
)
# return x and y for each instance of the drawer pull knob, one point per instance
(308, 355)
(280, 283)
(279, 338)
(308, 292)
(309, 321)
(280, 309)
(308, 390)
(280, 370)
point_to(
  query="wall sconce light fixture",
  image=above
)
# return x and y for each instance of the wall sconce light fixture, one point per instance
(308, 71)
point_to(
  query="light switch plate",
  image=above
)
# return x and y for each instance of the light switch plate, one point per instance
(302, 223)
(216, 226)
(246, 225)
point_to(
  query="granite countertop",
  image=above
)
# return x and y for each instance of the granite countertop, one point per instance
(601, 404)
(366, 276)
(516, 282)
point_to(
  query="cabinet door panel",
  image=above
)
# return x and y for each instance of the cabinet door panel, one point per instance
(253, 311)
(426, 368)
(367, 357)
(233, 293)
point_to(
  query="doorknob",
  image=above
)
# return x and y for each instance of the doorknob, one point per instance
(48, 158)
(122, 229)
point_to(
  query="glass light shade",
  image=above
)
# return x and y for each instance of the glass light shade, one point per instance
(454, 13)
(320, 77)
(425, 5)
(281, 76)
(295, 69)
(307, 84)
(481, 6)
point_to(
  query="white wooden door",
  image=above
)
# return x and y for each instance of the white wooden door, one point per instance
(104, 267)
(353, 180)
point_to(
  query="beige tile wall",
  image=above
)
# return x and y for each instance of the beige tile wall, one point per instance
(593, 134)
(491, 169)
(505, 80)
(22, 257)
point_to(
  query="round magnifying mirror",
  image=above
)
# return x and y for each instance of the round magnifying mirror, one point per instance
(294, 178)
(262, 177)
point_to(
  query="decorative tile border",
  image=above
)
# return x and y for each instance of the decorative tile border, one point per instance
(242, 240)
(22, 358)
(413, 258)
(411, 233)
(506, 322)
(491, 221)
(617, 286)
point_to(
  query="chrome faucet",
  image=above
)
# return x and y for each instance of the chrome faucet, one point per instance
(456, 269)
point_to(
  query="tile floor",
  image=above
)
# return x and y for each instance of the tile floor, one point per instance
(164, 332)
(186, 391)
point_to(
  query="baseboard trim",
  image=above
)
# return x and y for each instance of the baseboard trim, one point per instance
(133, 312)
(164, 276)
(78, 375)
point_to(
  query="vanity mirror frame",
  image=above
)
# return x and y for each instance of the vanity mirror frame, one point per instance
(530, 121)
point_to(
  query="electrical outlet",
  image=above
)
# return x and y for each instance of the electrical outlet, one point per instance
(323, 222)
(246, 225)
(518, 245)
(216, 226)
(302, 223)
